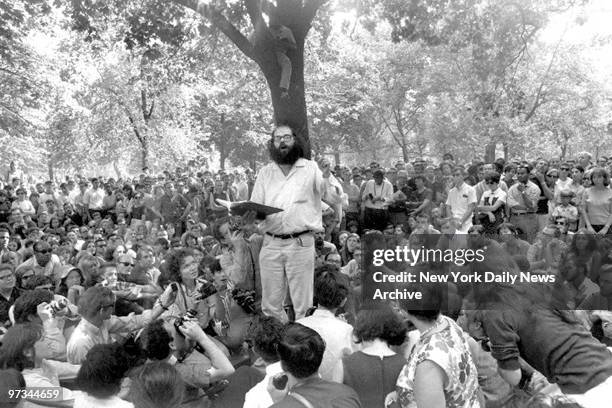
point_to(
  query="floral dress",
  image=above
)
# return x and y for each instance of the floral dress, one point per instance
(449, 349)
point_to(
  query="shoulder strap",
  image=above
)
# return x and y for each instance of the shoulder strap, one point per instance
(301, 399)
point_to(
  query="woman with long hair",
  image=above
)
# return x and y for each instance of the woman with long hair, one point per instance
(560, 348)
(352, 242)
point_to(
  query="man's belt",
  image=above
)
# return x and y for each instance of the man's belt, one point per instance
(521, 212)
(288, 236)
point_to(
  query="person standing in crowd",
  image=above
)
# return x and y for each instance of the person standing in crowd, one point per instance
(375, 199)
(597, 206)
(174, 208)
(93, 199)
(295, 185)
(522, 203)
(461, 202)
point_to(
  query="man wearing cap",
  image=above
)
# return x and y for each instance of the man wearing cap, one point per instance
(295, 185)
(375, 199)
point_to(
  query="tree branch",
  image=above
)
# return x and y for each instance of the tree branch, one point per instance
(223, 24)
(309, 11)
(254, 10)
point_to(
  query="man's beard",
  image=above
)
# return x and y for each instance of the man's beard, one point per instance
(289, 156)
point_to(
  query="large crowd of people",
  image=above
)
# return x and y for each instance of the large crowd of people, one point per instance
(148, 292)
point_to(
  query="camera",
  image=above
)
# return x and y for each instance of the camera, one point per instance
(207, 290)
(246, 300)
(280, 381)
(58, 305)
(189, 315)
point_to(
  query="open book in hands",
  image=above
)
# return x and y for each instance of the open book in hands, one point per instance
(242, 207)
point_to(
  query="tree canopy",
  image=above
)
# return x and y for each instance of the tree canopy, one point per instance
(121, 84)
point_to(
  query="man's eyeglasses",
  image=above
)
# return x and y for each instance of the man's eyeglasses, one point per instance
(283, 138)
(564, 168)
(490, 182)
(552, 175)
(44, 251)
(126, 264)
(107, 305)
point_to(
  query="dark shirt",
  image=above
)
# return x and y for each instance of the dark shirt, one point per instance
(564, 352)
(5, 305)
(321, 394)
(542, 207)
(172, 208)
(372, 377)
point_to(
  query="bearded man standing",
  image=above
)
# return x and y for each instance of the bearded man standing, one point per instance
(295, 185)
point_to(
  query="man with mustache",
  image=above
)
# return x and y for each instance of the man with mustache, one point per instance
(295, 185)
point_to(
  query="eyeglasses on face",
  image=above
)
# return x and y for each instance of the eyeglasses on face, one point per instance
(44, 251)
(283, 138)
(126, 264)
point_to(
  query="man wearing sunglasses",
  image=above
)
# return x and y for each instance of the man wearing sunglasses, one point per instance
(44, 262)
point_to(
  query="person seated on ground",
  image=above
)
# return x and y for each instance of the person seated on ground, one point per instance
(301, 352)
(8, 293)
(11, 380)
(38, 307)
(265, 336)
(234, 309)
(156, 385)
(193, 353)
(100, 376)
(18, 351)
(578, 285)
(440, 371)
(330, 292)
(373, 370)
(322, 248)
(98, 323)
(510, 241)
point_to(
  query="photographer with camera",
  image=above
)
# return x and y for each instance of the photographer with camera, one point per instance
(39, 307)
(180, 273)
(301, 352)
(234, 308)
(96, 307)
(196, 356)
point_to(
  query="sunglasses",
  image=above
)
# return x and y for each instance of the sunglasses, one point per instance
(490, 182)
(564, 168)
(45, 251)
(126, 263)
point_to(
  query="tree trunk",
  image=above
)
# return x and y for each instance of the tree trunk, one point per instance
(144, 152)
(489, 156)
(506, 151)
(50, 169)
(297, 15)
(405, 153)
(116, 168)
(337, 158)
